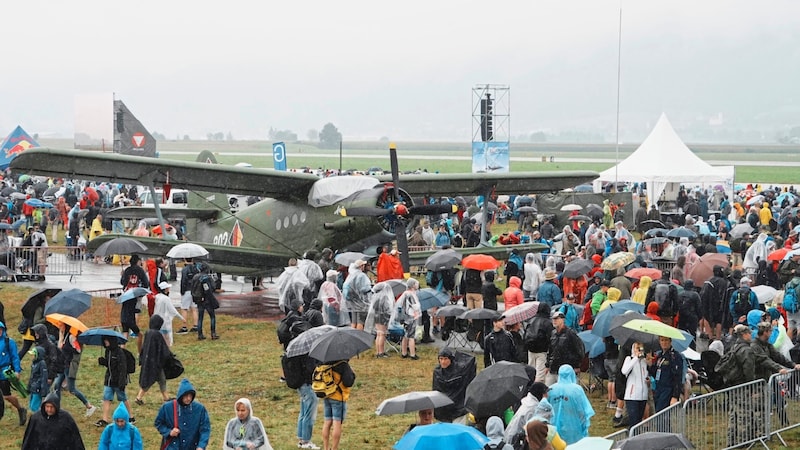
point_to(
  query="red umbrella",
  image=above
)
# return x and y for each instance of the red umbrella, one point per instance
(640, 272)
(480, 262)
(702, 270)
(778, 255)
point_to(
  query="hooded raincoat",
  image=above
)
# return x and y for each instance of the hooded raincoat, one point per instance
(126, 437)
(572, 411)
(193, 421)
(380, 309)
(240, 433)
(155, 353)
(57, 431)
(494, 431)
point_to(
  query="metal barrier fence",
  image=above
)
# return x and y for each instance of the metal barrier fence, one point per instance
(782, 410)
(669, 420)
(664, 265)
(617, 436)
(727, 418)
(110, 310)
(35, 263)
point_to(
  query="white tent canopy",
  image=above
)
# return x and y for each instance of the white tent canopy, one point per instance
(663, 158)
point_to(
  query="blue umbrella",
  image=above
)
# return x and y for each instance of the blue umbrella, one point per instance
(5, 226)
(602, 323)
(95, 336)
(131, 294)
(37, 203)
(681, 345)
(442, 435)
(431, 298)
(18, 223)
(73, 302)
(593, 343)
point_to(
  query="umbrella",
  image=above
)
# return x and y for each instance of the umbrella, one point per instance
(592, 443)
(593, 343)
(653, 222)
(526, 209)
(479, 314)
(580, 217)
(120, 246)
(654, 440)
(73, 302)
(17, 195)
(571, 207)
(656, 232)
(347, 258)
(75, 325)
(37, 203)
(431, 298)
(36, 299)
(778, 254)
(398, 286)
(755, 199)
(443, 259)
(764, 293)
(302, 343)
(340, 344)
(133, 293)
(95, 336)
(654, 327)
(18, 223)
(655, 241)
(5, 226)
(496, 388)
(681, 232)
(616, 260)
(703, 269)
(187, 250)
(594, 211)
(451, 311)
(480, 261)
(604, 319)
(578, 267)
(442, 435)
(520, 313)
(640, 272)
(741, 229)
(691, 354)
(413, 401)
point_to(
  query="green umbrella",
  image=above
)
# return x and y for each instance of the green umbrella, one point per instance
(654, 327)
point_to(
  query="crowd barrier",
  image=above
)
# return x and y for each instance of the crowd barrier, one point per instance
(782, 411)
(35, 263)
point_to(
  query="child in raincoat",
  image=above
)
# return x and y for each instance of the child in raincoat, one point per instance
(245, 431)
(121, 433)
(37, 381)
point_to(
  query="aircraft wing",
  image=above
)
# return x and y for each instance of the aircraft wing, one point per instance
(448, 184)
(143, 212)
(499, 252)
(198, 176)
(222, 258)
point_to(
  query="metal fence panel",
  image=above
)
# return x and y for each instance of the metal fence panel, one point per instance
(782, 411)
(33, 263)
(668, 420)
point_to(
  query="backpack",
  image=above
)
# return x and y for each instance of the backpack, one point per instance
(662, 297)
(133, 281)
(325, 381)
(130, 361)
(727, 366)
(742, 303)
(293, 370)
(402, 315)
(536, 338)
(490, 446)
(588, 319)
(785, 276)
(790, 300)
(520, 441)
(200, 283)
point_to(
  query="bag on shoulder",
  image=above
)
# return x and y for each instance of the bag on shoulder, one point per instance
(284, 331)
(173, 368)
(520, 441)
(325, 381)
(130, 361)
(490, 446)
(201, 283)
(662, 297)
(293, 370)
(727, 366)
(790, 300)
(402, 315)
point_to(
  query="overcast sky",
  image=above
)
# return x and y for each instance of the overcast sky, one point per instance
(404, 70)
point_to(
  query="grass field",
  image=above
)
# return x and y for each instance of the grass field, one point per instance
(245, 363)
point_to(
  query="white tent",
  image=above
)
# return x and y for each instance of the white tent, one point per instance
(663, 158)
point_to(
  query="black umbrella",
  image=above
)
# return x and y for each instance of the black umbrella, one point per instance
(580, 217)
(626, 335)
(443, 259)
(95, 336)
(398, 286)
(681, 233)
(655, 441)
(654, 223)
(526, 209)
(120, 246)
(340, 344)
(655, 241)
(497, 387)
(578, 267)
(451, 311)
(479, 313)
(594, 211)
(655, 232)
(37, 298)
(73, 302)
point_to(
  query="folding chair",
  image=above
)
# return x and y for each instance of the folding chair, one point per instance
(394, 337)
(455, 333)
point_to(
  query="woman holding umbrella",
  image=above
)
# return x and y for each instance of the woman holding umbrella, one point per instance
(71, 349)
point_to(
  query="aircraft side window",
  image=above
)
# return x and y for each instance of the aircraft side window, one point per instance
(303, 217)
(179, 197)
(286, 222)
(278, 224)
(294, 219)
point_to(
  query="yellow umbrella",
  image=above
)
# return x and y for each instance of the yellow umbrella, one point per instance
(654, 327)
(75, 325)
(616, 260)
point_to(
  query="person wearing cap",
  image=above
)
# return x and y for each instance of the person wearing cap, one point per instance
(666, 368)
(163, 307)
(769, 361)
(549, 292)
(565, 348)
(356, 289)
(499, 344)
(742, 301)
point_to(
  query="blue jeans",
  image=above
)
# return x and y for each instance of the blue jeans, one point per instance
(74, 391)
(56, 386)
(211, 314)
(308, 412)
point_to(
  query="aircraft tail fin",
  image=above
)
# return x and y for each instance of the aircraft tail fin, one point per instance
(207, 157)
(130, 136)
(206, 200)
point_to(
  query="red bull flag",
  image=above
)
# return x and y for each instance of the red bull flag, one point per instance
(16, 142)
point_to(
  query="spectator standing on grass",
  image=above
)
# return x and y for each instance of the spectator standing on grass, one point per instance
(155, 352)
(572, 411)
(245, 431)
(72, 350)
(115, 379)
(336, 405)
(192, 430)
(52, 428)
(121, 433)
(189, 271)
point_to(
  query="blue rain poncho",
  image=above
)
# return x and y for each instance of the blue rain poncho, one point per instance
(572, 411)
